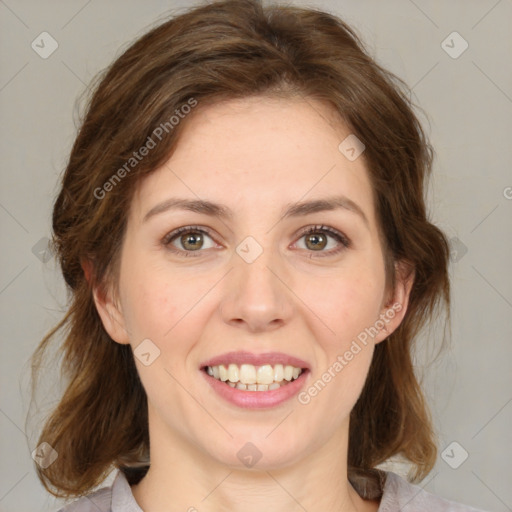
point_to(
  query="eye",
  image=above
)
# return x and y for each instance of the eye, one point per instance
(190, 239)
(316, 239)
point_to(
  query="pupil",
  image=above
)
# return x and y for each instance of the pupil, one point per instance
(315, 238)
(194, 239)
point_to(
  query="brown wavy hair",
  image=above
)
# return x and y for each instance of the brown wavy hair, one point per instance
(226, 50)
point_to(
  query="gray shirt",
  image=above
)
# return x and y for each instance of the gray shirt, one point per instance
(396, 495)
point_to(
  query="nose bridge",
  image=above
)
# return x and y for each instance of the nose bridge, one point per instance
(256, 296)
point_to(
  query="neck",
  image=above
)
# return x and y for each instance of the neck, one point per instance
(184, 478)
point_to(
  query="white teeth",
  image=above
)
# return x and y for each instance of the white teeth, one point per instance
(288, 372)
(278, 373)
(251, 378)
(223, 373)
(233, 373)
(248, 374)
(265, 374)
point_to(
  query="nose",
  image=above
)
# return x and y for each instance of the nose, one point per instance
(257, 297)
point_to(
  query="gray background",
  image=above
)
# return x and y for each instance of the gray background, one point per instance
(469, 104)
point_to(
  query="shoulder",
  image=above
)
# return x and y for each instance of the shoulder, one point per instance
(401, 495)
(97, 501)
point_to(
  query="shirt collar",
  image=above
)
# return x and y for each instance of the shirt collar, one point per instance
(122, 496)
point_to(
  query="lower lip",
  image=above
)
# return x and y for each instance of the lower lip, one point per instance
(257, 399)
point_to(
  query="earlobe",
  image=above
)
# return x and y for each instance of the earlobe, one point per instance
(395, 307)
(108, 309)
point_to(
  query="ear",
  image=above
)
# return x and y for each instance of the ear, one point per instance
(395, 306)
(108, 308)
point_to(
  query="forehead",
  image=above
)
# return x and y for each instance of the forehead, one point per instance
(259, 151)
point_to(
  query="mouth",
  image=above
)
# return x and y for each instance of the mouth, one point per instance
(247, 377)
(255, 380)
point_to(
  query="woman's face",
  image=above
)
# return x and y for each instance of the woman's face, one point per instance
(253, 281)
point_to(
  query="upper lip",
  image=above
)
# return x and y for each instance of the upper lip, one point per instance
(243, 357)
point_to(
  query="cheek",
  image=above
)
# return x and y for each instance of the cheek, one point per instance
(150, 299)
(154, 311)
(346, 303)
(151, 296)
(163, 307)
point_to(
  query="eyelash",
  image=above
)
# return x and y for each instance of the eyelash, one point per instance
(339, 237)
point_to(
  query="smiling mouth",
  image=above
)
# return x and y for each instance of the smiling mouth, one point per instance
(247, 377)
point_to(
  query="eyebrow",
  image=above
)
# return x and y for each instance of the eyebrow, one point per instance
(290, 210)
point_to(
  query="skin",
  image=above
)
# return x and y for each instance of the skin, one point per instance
(255, 156)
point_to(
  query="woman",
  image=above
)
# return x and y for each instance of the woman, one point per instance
(242, 227)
